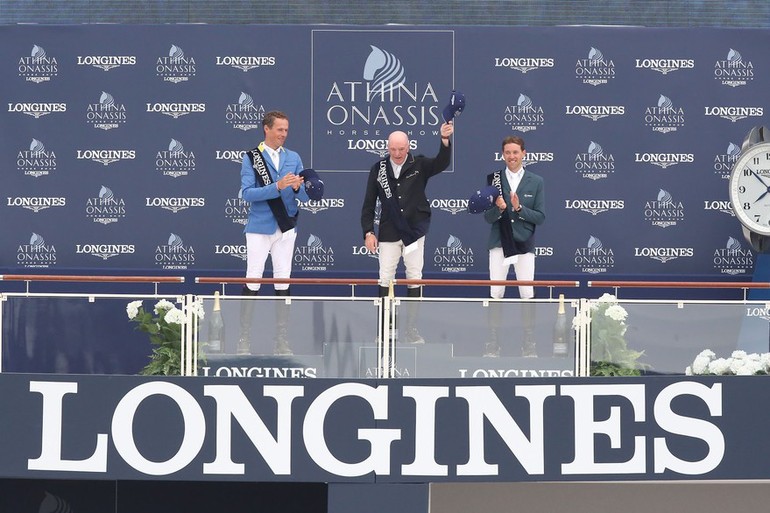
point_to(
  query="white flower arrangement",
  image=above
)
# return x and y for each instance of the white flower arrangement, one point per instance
(739, 363)
(164, 326)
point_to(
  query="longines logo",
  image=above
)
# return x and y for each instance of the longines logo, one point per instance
(735, 113)
(524, 116)
(36, 254)
(664, 160)
(378, 147)
(664, 66)
(176, 110)
(594, 258)
(105, 208)
(174, 254)
(595, 112)
(596, 69)
(37, 109)
(237, 210)
(107, 114)
(723, 164)
(594, 206)
(733, 259)
(524, 64)
(105, 157)
(544, 251)
(175, 68)
(244, 62)
(244, 115)
(104, 251)
(362, 251)
(756, 311)
(38, 67)
(595, 163)
(176, 161)
(106, 62)
(314, 256)
(664, 211)
(175, 204)
(453, 205)
(315, 206)
(37, 161)
(36, 203)
(530, 159)
(734, 71)
(664, 117)
(723, 206)
(453, 257)
(260, 372)
(230, 155)
(663, 254)
(232, 250)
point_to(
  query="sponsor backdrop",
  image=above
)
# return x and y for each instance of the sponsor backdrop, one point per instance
(121, 145)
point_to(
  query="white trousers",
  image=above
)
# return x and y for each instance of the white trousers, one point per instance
(523, 267)
(391, 253)
(280, 247)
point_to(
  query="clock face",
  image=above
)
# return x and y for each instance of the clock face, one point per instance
(750, 188)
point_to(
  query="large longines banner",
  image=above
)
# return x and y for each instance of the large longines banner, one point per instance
(197, 429)
(121, 145)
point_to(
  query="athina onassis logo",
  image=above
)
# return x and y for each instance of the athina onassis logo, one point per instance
(176, 67)
(246, 114)
(37, 253)
(174, 254)
(314, 256)
(38, 66)
(387, 83)
(453, 257)
(107, 114)
(37, 161)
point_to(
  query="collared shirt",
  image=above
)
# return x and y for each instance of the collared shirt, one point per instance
(514, 179)
(275, 155)
(396, 168)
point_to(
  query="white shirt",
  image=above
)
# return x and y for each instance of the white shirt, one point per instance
(396, 168)
(514, 179)
(274, 155)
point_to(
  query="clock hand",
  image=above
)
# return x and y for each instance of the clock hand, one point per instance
(758, 178)
(763, 195)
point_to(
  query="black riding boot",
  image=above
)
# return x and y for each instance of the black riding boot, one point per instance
(412, 312)
(247, 314)
(492, 345)
(282, 325)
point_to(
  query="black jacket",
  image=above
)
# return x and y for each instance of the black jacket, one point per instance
(410, 192)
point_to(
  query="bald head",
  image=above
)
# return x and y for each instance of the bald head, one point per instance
(398, 147)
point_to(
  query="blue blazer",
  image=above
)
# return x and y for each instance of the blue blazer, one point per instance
(261, 219)
(532, 201)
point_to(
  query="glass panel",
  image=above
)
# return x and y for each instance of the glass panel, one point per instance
(266, 337)
(72, 335)
(482, 338)
(671, 334)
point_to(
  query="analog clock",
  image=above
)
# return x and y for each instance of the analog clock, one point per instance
(750, 188)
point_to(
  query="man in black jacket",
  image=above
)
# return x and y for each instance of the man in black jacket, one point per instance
(399, 182)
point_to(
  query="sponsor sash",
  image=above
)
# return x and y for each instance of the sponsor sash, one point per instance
(263, 178)
(389, 201)
(511, 247)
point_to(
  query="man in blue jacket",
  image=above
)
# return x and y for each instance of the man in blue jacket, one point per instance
(271, 183)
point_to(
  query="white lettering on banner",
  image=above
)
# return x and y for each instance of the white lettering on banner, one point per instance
(51, 436)
(380, 439)
(233, 404)
(688, 426)
(484, 404)
(485, 409)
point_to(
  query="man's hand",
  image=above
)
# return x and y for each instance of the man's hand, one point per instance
(515, 201)
(447, 129)
(290, 180)
(371, 243)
